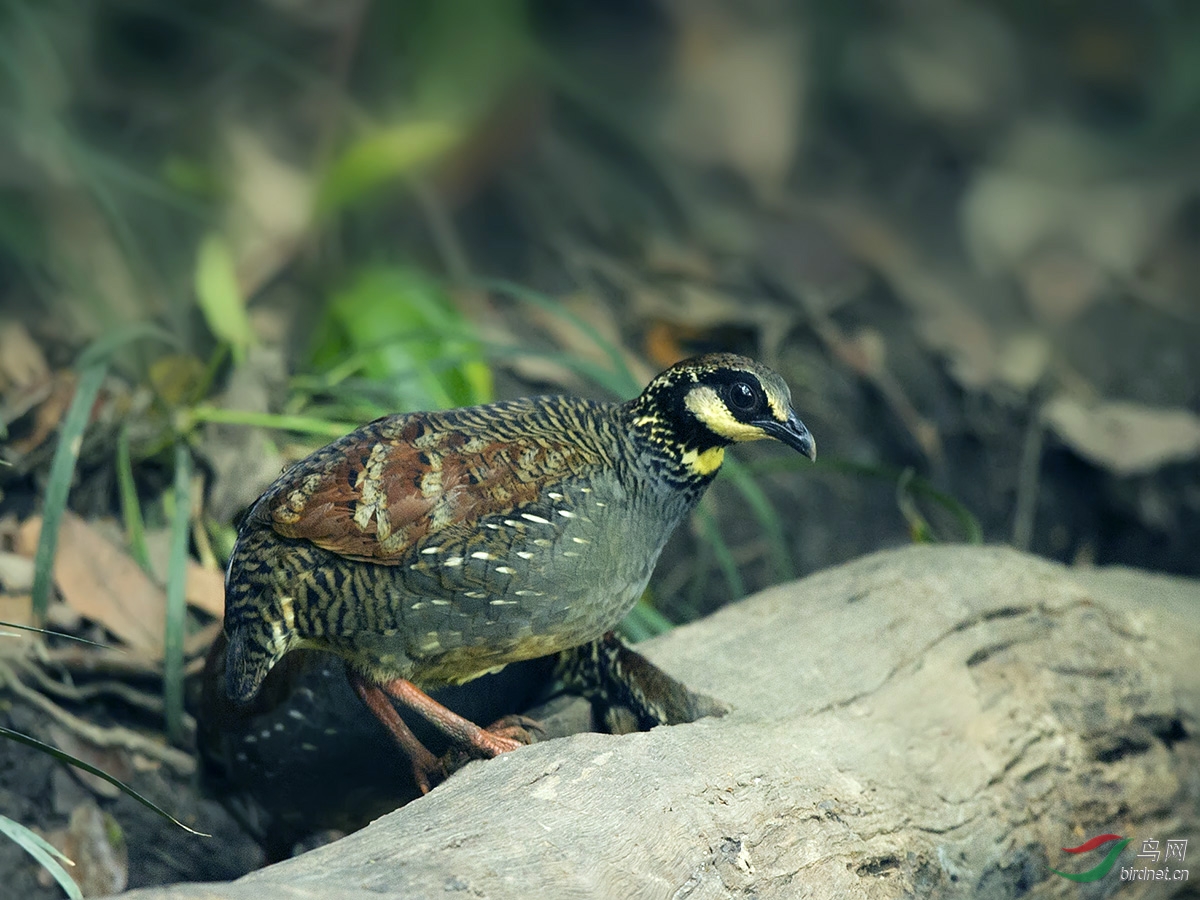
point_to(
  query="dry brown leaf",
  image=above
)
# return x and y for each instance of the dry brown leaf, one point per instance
(693, 304)
(96, 843)
(100, 581)
(26, 539)
(16, 573)
(663, 342)
(1125, 438)
(113, 760)
(47, 402)
(21, 360)
(17, 609)
(199, 641)
(205, 589)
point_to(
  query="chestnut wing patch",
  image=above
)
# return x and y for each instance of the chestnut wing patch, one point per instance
(374, 496)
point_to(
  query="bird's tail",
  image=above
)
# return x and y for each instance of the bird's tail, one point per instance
(253, 649)
(259, 624)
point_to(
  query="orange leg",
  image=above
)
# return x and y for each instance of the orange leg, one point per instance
(462, 731)
(426, 767)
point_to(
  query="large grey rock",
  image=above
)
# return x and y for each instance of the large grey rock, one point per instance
(935, 721)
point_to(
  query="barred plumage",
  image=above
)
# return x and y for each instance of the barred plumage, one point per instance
(430, 548)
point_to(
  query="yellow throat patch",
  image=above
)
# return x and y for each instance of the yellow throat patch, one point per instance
(704, 463)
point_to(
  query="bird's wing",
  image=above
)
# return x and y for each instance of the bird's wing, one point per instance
(378, 493)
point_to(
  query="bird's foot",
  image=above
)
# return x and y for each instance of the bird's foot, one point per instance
(521, 729)
(428, 771)
(509, 732)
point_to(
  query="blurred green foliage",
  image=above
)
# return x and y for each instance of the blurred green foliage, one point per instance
(382, 157)
(220, 297)
(395, 326)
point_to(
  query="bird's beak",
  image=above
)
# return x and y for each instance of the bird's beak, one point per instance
(792, 432)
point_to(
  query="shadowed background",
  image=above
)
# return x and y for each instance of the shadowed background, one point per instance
(966, 233)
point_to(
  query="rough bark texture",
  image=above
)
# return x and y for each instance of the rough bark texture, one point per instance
(932, 722)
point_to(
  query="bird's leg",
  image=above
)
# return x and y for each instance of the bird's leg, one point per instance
(426, 767)
(616, 676)
(483, 742)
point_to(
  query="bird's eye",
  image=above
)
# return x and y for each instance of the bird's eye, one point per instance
(743, 397)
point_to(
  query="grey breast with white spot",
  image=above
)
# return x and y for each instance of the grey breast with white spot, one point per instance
(550, 576)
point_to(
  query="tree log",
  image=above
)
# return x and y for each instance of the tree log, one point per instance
(932, 722)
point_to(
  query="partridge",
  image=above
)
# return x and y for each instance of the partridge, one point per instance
(430, 548)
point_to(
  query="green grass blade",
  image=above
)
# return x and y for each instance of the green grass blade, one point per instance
(69, 637)
(631, 386)
(102, 349)
(39, 841)
(220, 296)
(131, 508)
(381, 158)
(176, 587)
(972, 531)
(644, 621)
(42, 851)
(616, 384)
(62, 470)
(764, 511)
(278, 421)
(338, 382)
(70, 760)
(919, 528)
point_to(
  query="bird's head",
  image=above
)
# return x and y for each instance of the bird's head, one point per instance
(698, 407)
